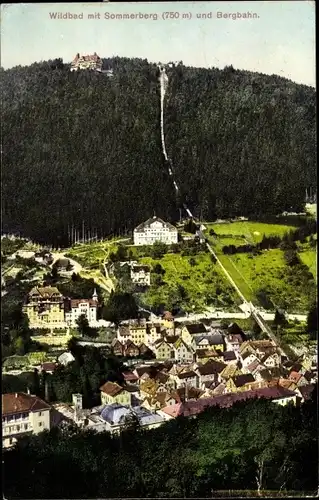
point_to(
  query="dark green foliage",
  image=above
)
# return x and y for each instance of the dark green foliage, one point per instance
(158, 269)
(223, 449)
(83, 326)
(279, 319)
(190, 227)
(158, 250)
(85, 375)
(312, 321)
(240, 142)
(120, 306)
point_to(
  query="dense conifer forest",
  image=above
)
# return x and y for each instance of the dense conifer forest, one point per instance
(86, 147)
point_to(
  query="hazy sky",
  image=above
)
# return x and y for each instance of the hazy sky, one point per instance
(281, 40)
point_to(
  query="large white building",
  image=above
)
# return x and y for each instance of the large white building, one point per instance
(87, 307)
(155, 229)
(23, 414)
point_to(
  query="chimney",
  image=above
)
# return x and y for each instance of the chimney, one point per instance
(16, 394)
(28, 391)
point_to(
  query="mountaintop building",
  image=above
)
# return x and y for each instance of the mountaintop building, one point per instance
(92, 62)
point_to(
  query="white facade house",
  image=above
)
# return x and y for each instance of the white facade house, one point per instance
(141, 275)
(23, 414)
(86, 307)
(155, 229)
(66, 358)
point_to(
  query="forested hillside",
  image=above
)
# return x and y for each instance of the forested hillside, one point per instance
(254, 444)
(83, 146)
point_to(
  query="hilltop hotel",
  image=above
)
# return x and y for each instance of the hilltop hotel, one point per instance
(155, 229)
(93, 62)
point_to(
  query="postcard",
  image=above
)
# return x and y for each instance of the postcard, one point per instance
(159, 324)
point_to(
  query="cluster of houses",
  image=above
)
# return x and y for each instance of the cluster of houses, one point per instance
(46, 307)
(157, 392)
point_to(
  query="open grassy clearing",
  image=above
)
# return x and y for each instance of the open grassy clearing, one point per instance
(267, 271)
(240, 233)
(204, 283)
(92, 255)
(270, 273)
(309, 257)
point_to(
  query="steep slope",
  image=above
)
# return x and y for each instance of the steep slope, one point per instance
(82, 146)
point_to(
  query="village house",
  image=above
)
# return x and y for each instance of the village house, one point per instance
(123, 334)
(204, 355)
(186, 378)
(233, 341)
(210, 372)
(91, 62)
(258, 371)
(163, 350)
(248, 358)
(130, 349)
(182, 353)
(154, 332)
(111, 392)
(129, 377)
(74, 308)
(155, 229)
(45, 308)
(271, 360)
(215, 341)
(168, 321)
(141, 275)
(229, 357)
(117, 347)
(305, 392)
(239, 383)
(190, 332)
(146, 351)
(138, 331)
(230, 371)
(23, 414)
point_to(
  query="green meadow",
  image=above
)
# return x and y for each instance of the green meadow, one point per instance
(203, 283)
(265, 274)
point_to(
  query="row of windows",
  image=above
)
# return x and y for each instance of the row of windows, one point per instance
(16, 428)
(11, 418)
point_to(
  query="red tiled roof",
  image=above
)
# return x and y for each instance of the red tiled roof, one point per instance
(49, 367)
(129, 376)
(93, 57)
(21, 402)
(111, 388)
(226, 400)
(76, 302)
(295, 376)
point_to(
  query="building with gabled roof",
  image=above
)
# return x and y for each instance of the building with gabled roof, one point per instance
(111, 392)
(141, 275)
(91, 62)
(23, 414)
(155, 229)
(45, 307)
